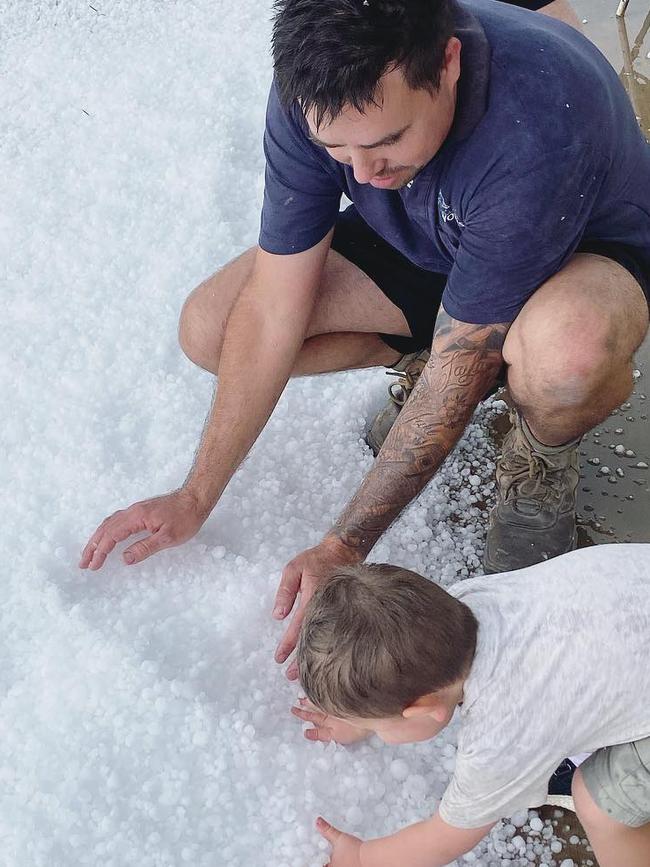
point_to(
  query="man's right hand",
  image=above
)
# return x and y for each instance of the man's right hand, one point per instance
(170, 520)
(300, 578)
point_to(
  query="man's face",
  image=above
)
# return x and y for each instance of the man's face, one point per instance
(389, 143)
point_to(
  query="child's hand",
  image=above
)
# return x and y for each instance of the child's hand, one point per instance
(327, 728)
(345, 848)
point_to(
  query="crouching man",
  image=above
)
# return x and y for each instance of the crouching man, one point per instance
(500, 229)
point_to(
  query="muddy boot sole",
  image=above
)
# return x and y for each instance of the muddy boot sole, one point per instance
(499, 557)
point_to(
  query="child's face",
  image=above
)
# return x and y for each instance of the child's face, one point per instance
(398, 730)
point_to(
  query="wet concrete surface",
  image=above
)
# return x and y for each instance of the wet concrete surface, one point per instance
(614, 494)
(626, 43)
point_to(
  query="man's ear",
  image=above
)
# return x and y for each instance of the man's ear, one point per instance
(451, 63)
(427, 705)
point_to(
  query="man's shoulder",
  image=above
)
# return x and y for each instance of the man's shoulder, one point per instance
(526, 103)
(279, 116)
(546, 75)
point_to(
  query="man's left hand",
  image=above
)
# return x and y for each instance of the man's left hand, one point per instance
(346, 849)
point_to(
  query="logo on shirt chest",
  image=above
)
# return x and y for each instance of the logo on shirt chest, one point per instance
(446, 213)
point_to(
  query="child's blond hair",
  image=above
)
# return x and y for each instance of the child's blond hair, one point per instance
(375, 638)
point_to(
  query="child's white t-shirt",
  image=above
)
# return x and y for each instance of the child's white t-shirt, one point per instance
(562, 666)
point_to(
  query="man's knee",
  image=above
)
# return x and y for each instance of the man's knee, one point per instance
(206, 310)
(568, 339)
(564, 357)
(193, 330)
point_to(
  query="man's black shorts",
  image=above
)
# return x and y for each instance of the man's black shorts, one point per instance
(418, 292)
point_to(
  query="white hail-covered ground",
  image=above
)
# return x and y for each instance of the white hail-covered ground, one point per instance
(143, 720)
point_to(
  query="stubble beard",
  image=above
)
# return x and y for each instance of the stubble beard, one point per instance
(404, 179)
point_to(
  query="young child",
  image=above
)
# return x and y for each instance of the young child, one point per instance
(545, 662)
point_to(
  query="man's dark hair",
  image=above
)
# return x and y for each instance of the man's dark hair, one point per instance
(328, 54)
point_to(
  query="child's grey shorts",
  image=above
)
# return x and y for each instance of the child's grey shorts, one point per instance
(618, 779)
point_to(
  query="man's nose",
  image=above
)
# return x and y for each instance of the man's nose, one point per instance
(364, 166)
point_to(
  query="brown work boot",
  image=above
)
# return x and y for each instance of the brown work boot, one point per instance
(534, 518)
(408, 370)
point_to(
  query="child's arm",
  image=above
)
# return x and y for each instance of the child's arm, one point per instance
(432, 843)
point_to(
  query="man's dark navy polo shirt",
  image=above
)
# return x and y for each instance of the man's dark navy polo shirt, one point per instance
(544, 150)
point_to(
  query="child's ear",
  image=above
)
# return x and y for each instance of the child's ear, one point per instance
(426, 705)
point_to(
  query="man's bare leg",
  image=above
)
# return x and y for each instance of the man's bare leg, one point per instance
(569, 355)
(614, 844)
(570, 351)
(343, 333)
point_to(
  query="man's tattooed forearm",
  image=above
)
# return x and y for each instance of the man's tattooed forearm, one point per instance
(451, 334)
(465, 361)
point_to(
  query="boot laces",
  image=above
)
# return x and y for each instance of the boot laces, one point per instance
(530, 474)
(400, 390)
